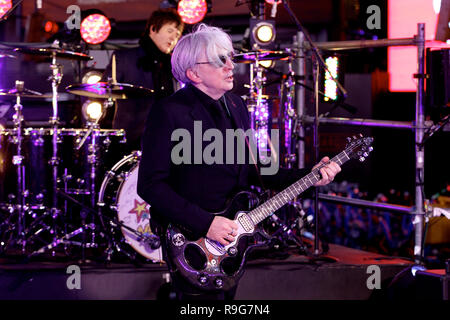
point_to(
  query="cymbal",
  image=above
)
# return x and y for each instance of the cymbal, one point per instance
(59, 53)
(249, 57)
(3, 54)
(104, 90)
(25, 93)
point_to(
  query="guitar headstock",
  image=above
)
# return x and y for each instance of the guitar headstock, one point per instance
(359, 147)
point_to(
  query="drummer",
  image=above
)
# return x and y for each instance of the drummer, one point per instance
(147, 66)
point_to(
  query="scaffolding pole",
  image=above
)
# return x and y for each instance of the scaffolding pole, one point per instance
(419, 126)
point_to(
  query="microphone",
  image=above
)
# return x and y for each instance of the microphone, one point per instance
(38, 4)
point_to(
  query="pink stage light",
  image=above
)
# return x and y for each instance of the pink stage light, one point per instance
(95, 28)
(403, 17)
(192, 11)
(5, 5)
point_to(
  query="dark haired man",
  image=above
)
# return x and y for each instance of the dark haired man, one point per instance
(147, 66)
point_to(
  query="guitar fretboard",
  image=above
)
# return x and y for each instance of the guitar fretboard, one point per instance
(280, 199)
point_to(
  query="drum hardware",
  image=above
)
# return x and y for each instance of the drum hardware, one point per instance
(20, 204)
(66, 238)
(288, 122)
(152, 240)
(55, 78)
(287, 117)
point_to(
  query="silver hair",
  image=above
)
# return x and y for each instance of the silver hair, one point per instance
(205, 39)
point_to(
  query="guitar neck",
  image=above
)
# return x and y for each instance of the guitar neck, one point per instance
(263, 211)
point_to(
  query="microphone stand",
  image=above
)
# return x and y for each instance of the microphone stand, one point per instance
(319, 62)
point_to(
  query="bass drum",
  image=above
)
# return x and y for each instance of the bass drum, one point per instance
(118, 198)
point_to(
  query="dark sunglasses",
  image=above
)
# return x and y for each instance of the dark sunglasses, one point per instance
(222, 60)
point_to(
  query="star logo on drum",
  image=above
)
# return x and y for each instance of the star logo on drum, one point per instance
(141, 210)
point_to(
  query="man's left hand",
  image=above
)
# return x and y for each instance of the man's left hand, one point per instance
(328, 171)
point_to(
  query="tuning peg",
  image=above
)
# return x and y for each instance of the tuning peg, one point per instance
(365, 154)
(370, 149)
(349, 139)
(362, 159)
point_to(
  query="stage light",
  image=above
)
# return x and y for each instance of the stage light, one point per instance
(5, 5)
(51, 27)
(92, 110)
(91, 77)
(95, 28)
(331, 90)
(192, 11)
(267, 63)
(262, 33)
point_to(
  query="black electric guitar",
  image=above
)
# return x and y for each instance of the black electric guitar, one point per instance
(211, 266)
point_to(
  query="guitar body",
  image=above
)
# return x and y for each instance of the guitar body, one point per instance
(207, 264)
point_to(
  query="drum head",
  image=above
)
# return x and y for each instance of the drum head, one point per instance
(134, 212)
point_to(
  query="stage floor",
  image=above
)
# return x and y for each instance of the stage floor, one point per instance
(343, 274)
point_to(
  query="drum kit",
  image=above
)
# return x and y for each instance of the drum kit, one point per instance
(47, 174)
(51, 197)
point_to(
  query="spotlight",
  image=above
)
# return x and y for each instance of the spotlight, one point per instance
(331, 90)
(92, 111)
(91, 77)
(192, 11)
(95, 28)
(262, 33)
(5, 5)
(267, 63)
(51, 27)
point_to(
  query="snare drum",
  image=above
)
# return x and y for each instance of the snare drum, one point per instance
(118, 197)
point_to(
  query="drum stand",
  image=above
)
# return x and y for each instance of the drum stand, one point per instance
(20, 207)
(54, 121)
(92, 159)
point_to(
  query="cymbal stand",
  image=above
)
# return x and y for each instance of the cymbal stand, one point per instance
(289, 117)
(251, 104)
(18, 161)
(54, 121)
(92, 158)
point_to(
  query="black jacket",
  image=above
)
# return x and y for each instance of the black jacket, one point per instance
(187, 194)
(147, 67)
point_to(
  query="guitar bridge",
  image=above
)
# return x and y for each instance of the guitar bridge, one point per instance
(217, 246)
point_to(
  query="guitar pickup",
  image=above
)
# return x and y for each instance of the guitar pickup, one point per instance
(245, 222)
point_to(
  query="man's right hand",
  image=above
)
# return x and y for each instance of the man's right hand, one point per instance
(222, 230)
